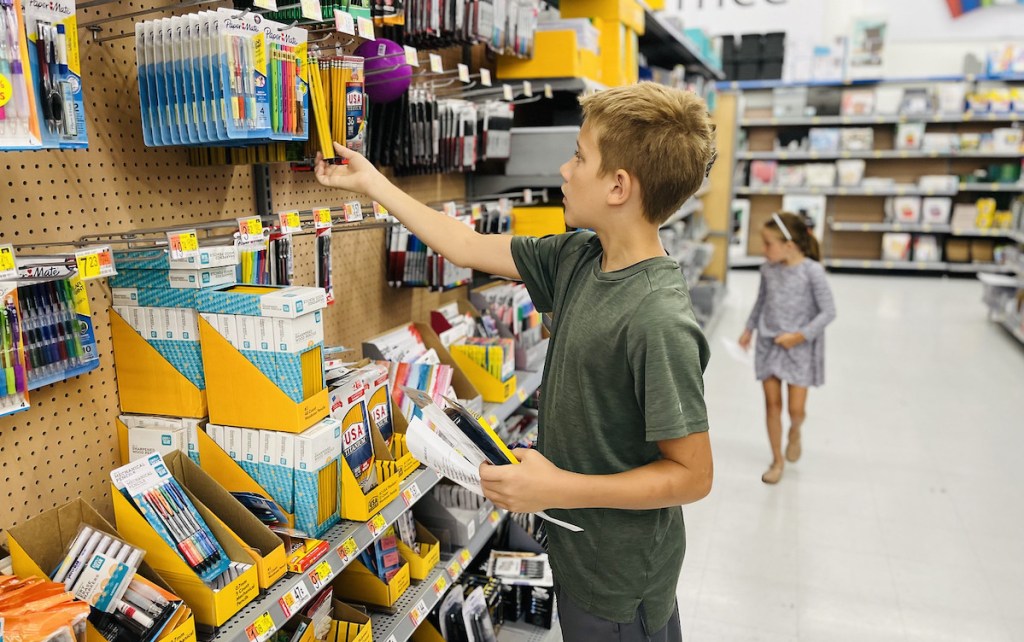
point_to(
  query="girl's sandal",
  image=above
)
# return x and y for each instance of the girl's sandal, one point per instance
(773, 475)
(793, 449)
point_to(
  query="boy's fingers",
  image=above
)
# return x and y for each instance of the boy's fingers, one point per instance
(343, 151)
(489, 473)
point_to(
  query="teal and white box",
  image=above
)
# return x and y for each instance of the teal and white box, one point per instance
(216, 433)
(250, 454)
(144, 439)
(233, 442)
(159, 259)
(257, 343)
(188, 323)
(174, 279)
(153, 323)
(154, 297)
(263, 301)
(317, 449)
(103, 582)
(277, 469)
(294, 338)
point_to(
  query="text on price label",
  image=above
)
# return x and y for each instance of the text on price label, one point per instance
(8, 266)
(95, 262)
(436, 64)
(290, 222)
(366, 28)
(440, 585)
(344, 22)
(250, 228)
(318, 576)
(311, 10)
(261, 629)
(465, 557)
(347, 550)
(411, 56)
(377, 525)
(418, 613)
(353, 211)
(411, 494)
(322, 217)
(454, 569)
(494, 517)
(182, 244)
(294, 599)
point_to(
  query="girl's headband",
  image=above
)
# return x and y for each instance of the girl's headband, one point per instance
(782, 226)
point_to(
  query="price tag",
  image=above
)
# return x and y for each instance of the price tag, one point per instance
(865, 228)
(774, 121)
(311, 10)
(889, 265)
(95, 262)
(815, 155)
(471, 529)
(294, 599)
(842, 191)
(528, 196)
(521, 394)
(548, 91)
(412, 57)
(463, 72)
(476, 211)
(410, 495)
(784, 156)
(289, 222)
(261, 629)
(269, 5)
(418, 613)
(465, 557)
(485, 77)
(440, 585)
(816, 120)
(347, 550)
(182, 244)
(250, 229)
(391, 638)
(343, 22)
(528, 89)
(377, 524)
(506, 91)
(494, 517)
(380, 212)
(322, 218)
(318, 576)
(365, 28)
(436, 63)
(968, 116)
(353, 211)
(897, 227)
(8, 264)
(877, 154)
(904, 154)
(866, 264)
(454, 569)
(493, 420)
(451, 209)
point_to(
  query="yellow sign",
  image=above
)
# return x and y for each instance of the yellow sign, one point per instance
(440, 585)
(290, 222)
(454, 569)
(377, 524)
(347, 549)
(8, 266)
(95, 263)
(250, 228)
(183, 243)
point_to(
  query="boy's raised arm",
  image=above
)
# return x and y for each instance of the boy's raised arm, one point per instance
(491, 253)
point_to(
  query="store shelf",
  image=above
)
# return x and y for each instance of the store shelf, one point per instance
(689, 208)
(859, 264)
(974, 268)
(664, 46)
(880, 120)
(842, 191)
(882, 154)
(421, 598)
(500, 183)
(933, 228)
(1013, 329)
(572, 85)
(497, 413)
(992, 187)
(851, 82)
(352, 536)
(523, 632)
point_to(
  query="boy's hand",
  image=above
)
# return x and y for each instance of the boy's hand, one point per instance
(529, 487)
(745, 339)
(789, 339)
(358, 175)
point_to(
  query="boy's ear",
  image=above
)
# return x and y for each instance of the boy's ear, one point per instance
(622, 187)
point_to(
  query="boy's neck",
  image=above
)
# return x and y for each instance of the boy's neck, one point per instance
(624, 248)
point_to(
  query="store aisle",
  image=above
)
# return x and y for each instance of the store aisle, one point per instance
(903, 519)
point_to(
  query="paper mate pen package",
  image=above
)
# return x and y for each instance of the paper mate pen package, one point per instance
(208, 22)
(355, 125)
(289, 83)
(244, 42)
(348, 405)
(59, 89)
(317, 500)
(165, 81)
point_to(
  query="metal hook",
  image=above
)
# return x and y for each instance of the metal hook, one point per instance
(284, 28)
(526, 101)
(377, 72)
(244, 13)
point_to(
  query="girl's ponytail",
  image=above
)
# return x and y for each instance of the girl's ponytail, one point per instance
(800, 231)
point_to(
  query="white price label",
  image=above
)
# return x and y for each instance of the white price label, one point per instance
(377, 525)
(8, 264)
(548, 91)
(436, 64)
(410, 495)
(353, 211)
(380, 212)
(289, 222)
(471, 529)
(528, 89)
(181, 244)
(311, 10)
(418, 613)
(343, 22)
(412, 57)
(463, 72)
(95, 263)
(322, 218)
(294, 599)
(485, 77)
(347, 550)
(451, 209)
(269, 5)
(250, 228)
(507, 93)
(366, 28)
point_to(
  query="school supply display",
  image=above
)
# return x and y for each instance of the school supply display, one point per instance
(512, 308)
(173, 332)
(57, 328)
(13, 362)
(34, 609)
(151, 433)
(506, 26)
(222, 76)
(412, 263)
(382, 558)
(151, 488)
(98, 570)
(495, 355)
(520, 569)
(348, 406)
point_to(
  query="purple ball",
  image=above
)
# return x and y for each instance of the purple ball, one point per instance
(387, 74)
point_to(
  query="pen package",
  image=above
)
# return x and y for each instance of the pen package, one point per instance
(98, 568)
(19, 120)
(156, 494)
(288, 77)
(52, 30)
(324, 262)
(13, 362)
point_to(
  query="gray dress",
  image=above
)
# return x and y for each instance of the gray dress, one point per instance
(792, 299)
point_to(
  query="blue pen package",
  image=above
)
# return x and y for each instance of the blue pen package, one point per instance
(244, 46)
(289, 82)
(52, 30)
(210, 37)
(183, 78)
(162, 71)
(142, 64)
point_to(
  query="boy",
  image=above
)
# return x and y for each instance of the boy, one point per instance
(623, 440)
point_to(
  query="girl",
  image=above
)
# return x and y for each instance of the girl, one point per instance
(794, 304)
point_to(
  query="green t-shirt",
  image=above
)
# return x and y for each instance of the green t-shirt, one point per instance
(624, 370)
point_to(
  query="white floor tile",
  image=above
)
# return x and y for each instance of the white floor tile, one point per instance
(901, 521)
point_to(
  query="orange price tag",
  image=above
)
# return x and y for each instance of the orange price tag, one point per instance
(465, 557)
(454, 569)
(250, 228)
(261, 629)
(95, 262)
(322, 217)
(290, 222)
(379, 211)
(440, 585)
(347, 550)
(410, 495)
(377, 524)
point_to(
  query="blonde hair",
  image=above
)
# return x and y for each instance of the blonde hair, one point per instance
(663, 137)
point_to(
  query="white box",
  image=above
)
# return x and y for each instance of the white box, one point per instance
(216, 433)
(188, 324)
(250, 454)
(896, 246)
(137, 320)
(318, 445)
(820, 174)
(169, 324)
(227, 326)
(233, 442)
(936, 209)
(124, 296)
(205, 278)
(247, 335)
(296, 335)
(905, 209)
(292, 302)
(143, 440)
(938, 183)
(209, 257)
(265, 341)
(153, 323)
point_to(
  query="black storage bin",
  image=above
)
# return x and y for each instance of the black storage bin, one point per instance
(825, 100)
(748, 71)
(773, 45)
(771, 70)
(750, 47)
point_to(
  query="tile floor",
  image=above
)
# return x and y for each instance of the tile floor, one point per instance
(903, 521)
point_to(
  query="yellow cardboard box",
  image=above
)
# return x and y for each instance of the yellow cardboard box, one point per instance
(555, 55)
(240, 395)
(211, 608)
(426, 633)
(146, 382)
(359, 506)
(349, 624)
(538, 221)
(359, 584)
(628, 12)
(421, 564)
(41, 542)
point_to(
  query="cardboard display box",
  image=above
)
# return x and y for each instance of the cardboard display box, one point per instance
(422, 564)
(349, 624)
(359, 584)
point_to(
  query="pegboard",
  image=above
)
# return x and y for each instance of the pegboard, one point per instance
(65, 445)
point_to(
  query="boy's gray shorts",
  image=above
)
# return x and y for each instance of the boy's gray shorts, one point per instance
(580, 626)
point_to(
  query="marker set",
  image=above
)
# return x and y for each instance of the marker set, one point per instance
(221, 77)
(40, 80)
(164, 504)
(98, 569)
